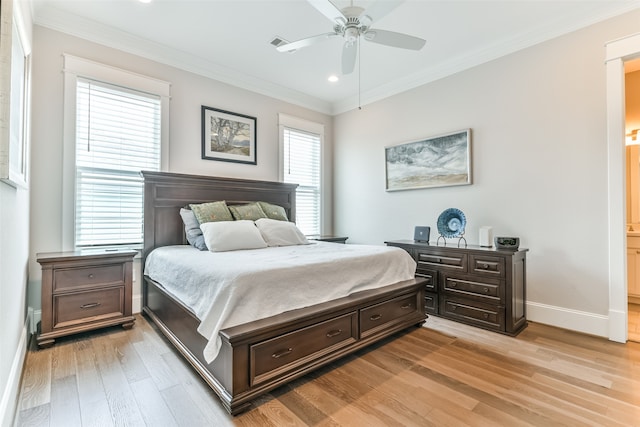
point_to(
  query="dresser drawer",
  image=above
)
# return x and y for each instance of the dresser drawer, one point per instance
(487, 265)
(74, 278)
(487, 289)
(447, 260)
(431, 278)
(82, 307)
(295, 349)
(431, 303)
(380, 316)
(472, 312)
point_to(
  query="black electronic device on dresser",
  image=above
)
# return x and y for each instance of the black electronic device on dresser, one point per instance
(480, 286)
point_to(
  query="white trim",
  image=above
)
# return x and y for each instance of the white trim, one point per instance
(580, 321)
(9, 402)
(285, 120)
(136, 304)
(75, 67)
(616, 53)
(126, 42)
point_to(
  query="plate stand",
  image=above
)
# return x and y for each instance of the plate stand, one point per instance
(444, 240)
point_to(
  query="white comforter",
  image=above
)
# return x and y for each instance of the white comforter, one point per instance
(226, 289)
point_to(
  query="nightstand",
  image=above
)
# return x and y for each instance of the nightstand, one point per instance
(335, 239)
(84, 290)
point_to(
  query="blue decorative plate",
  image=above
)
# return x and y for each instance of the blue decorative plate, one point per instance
(451, 223)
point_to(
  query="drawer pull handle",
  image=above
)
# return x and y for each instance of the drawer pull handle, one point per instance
(334, 333)
(90, 305)
(486, 315)
(376, 317)
(281, 353)
(486, 290)
(454, 284)
(91, 276)
(453, 307)
(406, 306)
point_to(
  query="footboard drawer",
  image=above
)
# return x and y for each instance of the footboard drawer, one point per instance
(272, 357)
(383, 315)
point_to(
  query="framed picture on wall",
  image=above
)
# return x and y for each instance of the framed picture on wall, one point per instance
(228, 137)
(14, 93)
(437, 161)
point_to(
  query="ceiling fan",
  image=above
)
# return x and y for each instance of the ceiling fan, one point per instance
(354, 22)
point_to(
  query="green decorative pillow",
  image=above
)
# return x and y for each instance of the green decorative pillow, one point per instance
(274, 211)
(212, 212)
(250, 211)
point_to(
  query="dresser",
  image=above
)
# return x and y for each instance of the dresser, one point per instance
(483, 287)
(84, 290)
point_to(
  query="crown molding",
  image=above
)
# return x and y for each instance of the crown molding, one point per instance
(473, 59)
(96, 32)
(108, 36)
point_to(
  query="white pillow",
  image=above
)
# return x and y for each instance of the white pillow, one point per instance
(280, 233)
(221, 236)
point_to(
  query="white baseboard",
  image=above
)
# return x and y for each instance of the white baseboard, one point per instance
(136, 304)
(9, 401)
(575, 320)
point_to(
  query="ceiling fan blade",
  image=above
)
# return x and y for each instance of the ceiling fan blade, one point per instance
(380, 8)
(305, 42)
(391, 38)
(349, 52)
(329, 10)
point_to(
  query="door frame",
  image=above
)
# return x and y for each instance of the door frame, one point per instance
(617, 52)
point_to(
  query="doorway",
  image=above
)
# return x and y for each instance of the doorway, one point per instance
(617, 53)
(632, 148)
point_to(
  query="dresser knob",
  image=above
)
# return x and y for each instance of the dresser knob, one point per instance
(91, 276)
(486, 290)
(454, 284)
(486, 315)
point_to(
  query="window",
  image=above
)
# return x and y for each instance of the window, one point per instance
(116, 124)
(117, 136)
(301, 153)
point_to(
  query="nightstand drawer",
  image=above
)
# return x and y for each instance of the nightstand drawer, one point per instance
(82, 307)
(74, 278)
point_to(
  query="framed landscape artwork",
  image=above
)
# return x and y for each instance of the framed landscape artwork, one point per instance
(228, 137)
(438, 161)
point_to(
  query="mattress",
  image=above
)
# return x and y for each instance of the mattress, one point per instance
(225, 289)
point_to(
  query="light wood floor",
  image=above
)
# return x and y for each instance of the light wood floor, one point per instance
(443, 374)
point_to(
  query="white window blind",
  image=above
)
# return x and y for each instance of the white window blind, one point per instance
(301, 165)
(117, 136)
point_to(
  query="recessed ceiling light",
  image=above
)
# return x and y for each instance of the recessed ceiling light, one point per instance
(333, 78)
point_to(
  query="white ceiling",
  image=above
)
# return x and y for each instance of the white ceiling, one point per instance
(230, 40)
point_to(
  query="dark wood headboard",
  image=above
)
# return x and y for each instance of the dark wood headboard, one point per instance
(165, 193)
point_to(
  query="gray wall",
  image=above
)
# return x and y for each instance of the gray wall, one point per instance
(14, 255)
(539, 154)
(188, 93)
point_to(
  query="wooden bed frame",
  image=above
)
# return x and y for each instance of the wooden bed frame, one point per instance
(259, 356)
